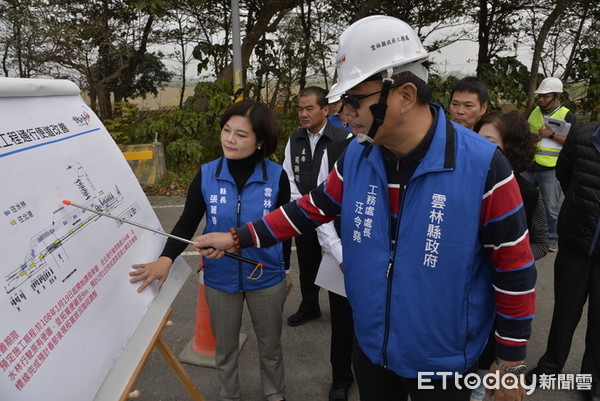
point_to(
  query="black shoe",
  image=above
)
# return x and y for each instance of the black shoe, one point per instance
(537, 371)
(299, 318)
(338, 394)
(529, 376)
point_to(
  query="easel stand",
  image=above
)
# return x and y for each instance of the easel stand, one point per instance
(167, 353)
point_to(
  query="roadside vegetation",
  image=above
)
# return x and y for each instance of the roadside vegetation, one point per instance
(118, 50)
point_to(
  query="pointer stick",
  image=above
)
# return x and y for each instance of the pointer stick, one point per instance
(228, 254)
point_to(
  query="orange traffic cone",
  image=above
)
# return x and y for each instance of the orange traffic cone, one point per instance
(200, 350)
(204, 342)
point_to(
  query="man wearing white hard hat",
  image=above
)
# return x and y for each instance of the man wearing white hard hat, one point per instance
(434, 235)
(336, 107)
(542, 173)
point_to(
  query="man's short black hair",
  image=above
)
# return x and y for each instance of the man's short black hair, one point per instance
(471, 85)
(319, 92)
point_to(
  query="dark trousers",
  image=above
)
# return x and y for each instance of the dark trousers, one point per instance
(376, 383)
(342, 339)
(309, 259)
(488, 356)
(576, 280)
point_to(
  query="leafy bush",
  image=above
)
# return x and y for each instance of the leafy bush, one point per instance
(441, 89)
(190, 135)
(507, 79)
(288, 124)
(184, 151)
(588, 72)
(122, 127)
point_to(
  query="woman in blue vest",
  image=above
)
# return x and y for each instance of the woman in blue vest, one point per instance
(241, 185)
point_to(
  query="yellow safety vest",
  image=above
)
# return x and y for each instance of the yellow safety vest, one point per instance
(545, 156)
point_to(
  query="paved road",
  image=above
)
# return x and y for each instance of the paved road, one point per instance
(306, 347)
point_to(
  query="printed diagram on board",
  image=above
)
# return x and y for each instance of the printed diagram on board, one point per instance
(46, 257)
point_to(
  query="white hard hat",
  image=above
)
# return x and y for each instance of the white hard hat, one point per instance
(336, 98)
(377, 44)
(550, 85)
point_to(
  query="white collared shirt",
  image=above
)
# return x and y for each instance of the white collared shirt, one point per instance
(287, 161)
(314, 138)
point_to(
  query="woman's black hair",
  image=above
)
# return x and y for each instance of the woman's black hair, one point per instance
(263, 124)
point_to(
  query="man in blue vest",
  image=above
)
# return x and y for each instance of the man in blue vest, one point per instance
(336, 107)
(434, 234)
(542, 173)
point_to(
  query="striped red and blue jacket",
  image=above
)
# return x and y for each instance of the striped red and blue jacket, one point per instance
(431, 261)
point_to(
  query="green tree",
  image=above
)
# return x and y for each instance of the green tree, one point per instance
(581, 24)
(20, 37)
(279, 74)
(262, 16)
(150, 74)
(181, 31)
(257, 18)
(559, 7)
(190, 134)
(212, 49)
(103, 40)
(498, 29)
(507, 79)
(587, 71)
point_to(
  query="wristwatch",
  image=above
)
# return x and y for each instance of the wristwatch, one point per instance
(551, 136)
(516, 370)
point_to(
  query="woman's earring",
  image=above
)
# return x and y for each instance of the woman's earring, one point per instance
(258, 147)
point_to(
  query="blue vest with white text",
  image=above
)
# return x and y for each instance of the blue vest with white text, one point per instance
(226, 207)
(428, 305)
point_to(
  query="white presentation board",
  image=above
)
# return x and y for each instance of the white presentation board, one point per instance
(73, 327)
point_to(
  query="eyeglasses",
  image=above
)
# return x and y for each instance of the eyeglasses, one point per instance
(352, 100)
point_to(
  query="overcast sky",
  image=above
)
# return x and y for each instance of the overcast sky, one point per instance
(459, 57)
(462, 56)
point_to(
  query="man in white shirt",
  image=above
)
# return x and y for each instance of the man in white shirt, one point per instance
(303, 154)
(342, 324)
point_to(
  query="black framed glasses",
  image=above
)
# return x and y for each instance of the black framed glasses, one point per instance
(352, 100)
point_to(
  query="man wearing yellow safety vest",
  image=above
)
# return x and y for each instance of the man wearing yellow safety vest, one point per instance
(542, 173)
